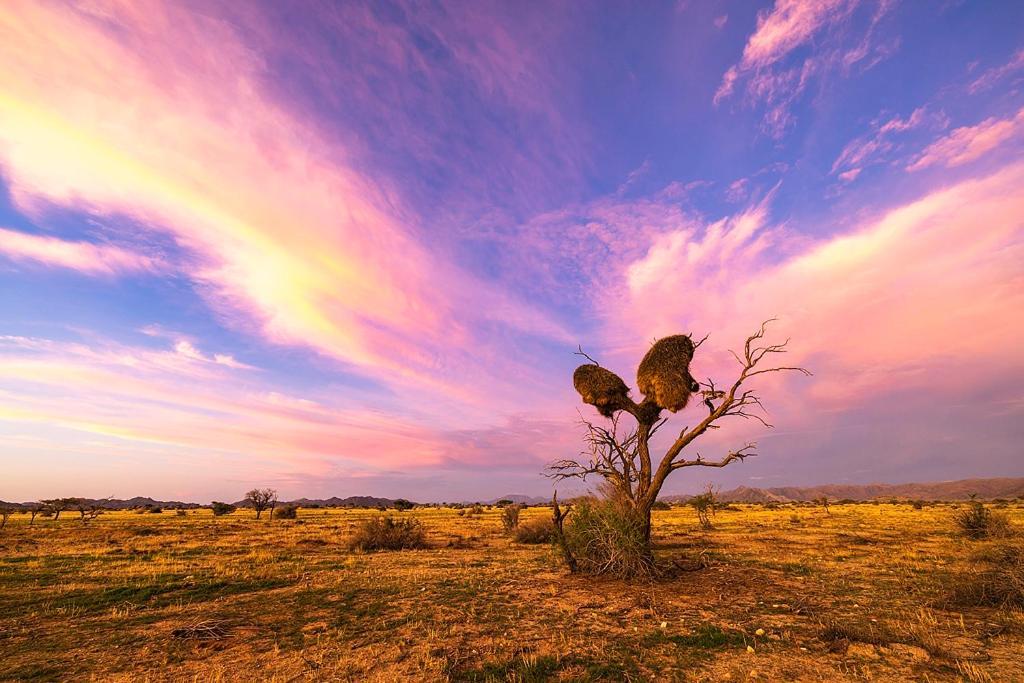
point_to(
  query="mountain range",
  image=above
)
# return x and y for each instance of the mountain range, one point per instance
(961, 489)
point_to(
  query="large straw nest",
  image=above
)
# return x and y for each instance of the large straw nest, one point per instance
(601, 388)
(664, 373)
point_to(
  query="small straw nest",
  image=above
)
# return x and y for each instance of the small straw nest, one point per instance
(601, 388)
(664, 373)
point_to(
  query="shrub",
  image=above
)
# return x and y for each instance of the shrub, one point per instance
(403, 504)
(535, 531)
(180, 512)
(510, 517)
(996, 578)
(389, 533)
(220, 509)
(476, 510)
(977, 521)
(286, 512)
(918, 504)
(607, 536)
(661, 505)
(155, 511)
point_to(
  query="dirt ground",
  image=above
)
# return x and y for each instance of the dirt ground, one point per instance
(862, 592)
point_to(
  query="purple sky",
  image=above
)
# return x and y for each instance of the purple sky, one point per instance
(344, 248)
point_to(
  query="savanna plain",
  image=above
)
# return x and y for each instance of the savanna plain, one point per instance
(866, 591)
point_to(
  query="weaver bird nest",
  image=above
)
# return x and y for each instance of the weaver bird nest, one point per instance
(663, 377)
(601, 388)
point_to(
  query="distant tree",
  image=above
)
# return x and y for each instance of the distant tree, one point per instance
(262, 499)
(220, 509)
(510, 517)
(823, 502)
(504, 502)
(88, 510)
(5, 512)
(705, 504)
(34, 509)
(403, 504)
(58, 505)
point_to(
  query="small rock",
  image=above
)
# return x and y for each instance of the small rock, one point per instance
(664, 624)
(759, 632)
(750, 649)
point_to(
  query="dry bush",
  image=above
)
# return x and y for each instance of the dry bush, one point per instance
(475, 510)
(286, 512)
(389, 533)
(977, 521)
(995, 579)
(607, 536)
(510, 517)
(535, 531)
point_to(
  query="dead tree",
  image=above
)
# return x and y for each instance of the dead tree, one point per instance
(262, 499)
(33, 509)
(5, 512)
(622, 456)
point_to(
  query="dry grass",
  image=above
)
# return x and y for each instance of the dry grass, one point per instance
(855, 595)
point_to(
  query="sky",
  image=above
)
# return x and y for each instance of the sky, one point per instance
(351, 248)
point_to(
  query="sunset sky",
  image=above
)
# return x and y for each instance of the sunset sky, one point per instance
(344, 248)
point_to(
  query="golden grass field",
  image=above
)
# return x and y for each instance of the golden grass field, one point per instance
(790, 594)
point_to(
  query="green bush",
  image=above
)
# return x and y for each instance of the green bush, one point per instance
(389, 533)
(220, 509)
(607, 536)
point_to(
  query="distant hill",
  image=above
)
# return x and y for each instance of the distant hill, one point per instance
(962, 489)
(128, 504)
(334, 502)
(521, 498)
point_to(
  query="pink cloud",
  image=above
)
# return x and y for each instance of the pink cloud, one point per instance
(780, 31)
(873, 147)
(992, 76)
(965, 144)
(915, 300)
(283, 233)
(85, 257)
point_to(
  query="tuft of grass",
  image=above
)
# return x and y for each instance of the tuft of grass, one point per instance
(606, 536)
(976, 521)
(996, 578)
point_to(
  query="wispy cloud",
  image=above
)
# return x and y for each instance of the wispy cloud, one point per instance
(991, 77)
(772, 74)
(878, 144)
(965, 144)
(279, 225)
(85, 257)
